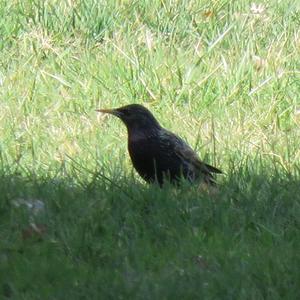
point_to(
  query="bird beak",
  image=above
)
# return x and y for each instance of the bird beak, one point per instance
(109, 111)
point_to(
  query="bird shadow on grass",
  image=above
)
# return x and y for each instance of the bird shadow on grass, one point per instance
(62, 237)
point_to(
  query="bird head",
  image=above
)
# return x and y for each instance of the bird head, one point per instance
(134, 116)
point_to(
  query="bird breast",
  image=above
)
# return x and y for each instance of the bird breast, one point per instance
(138, 146)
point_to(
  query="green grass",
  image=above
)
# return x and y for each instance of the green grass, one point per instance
(223, 75)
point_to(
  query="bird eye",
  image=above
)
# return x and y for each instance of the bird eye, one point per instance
(125, 112)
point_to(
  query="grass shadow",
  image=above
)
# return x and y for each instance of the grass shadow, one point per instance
(96, 238)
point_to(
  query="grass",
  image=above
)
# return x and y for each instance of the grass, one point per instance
(225, 75)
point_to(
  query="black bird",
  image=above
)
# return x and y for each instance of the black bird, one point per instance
(156, 153)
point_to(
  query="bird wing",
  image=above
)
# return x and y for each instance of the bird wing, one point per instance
(185, 152)
(188, 154)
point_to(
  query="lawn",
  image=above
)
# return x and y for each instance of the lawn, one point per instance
(77, 222)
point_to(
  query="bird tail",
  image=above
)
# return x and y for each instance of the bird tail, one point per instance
(213, 169)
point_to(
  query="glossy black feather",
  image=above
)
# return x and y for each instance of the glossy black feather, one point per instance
(156, 153)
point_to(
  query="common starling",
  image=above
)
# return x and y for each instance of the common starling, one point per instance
(158, 154)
